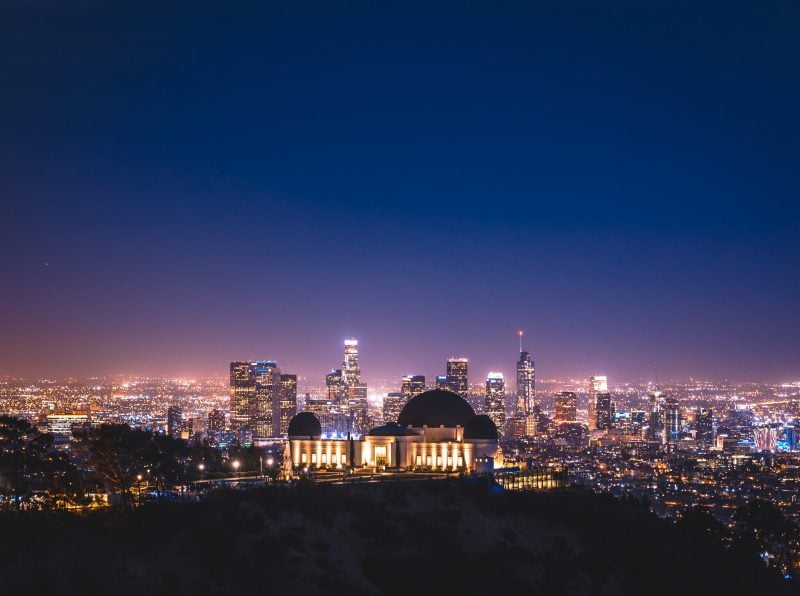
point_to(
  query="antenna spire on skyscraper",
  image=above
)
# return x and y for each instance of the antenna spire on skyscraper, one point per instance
(520, 341)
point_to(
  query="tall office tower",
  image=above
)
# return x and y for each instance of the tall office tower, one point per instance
(604, 411)
(496, 400)
(704, 425)
(526, 383)
(765, 438)
(351, 373)
(412, 385)
(266, 419)
(254, 397)
(330, 415)
(566, 407)
(287, 402)
(353, 390)
(672, 419)
(358, 408)
(457, 376)
(174, 421)
(656, 426)
(216, 424)
(441, 382)
(597, 384)
(517, 427)
(393, 404)
(242, 392)
(335, 389)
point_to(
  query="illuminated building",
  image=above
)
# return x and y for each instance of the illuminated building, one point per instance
(604, 411)
(704, 425)
(657, 429)
(266, 419)
(566, 407)
(412, 385)
(766, 438)
(526, 383)
(393, 404)
(335, 387)
(672, 419)
(242, 393)
(496, 399)
(61, 425)
(436, 430)
(441, 382)
(287, 402)
(597, 384)
(174, 421)
(569, 435)
(351, 372)
(457, 375)
(346, 386)
(518, 428)
(187, 429)
(358, 408)
(216, 424)
(254, 388)
(329, 414)
(196, 427)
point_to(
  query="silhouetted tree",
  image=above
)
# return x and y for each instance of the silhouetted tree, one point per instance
(168, 466)
(118, 454)
(765, 529)
(28, 461)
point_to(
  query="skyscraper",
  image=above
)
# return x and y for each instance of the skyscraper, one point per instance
(330, 415)
(526, 383)
(496, 399)
(656, 430)
(216, 424)
(566, 407)
(412, 385)
(267, 412)
(254, 397)
(597, 384)
(287, 406)
(672, 419)
(358, 408)
(242, 394)
(441, 382)
(604, 411)
(457, 376)
(174, 421)
(704, 425)
(393, 403)
(354, 391)
(335, 391)
(351, 372)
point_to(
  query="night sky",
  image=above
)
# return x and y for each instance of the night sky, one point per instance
(184, 184)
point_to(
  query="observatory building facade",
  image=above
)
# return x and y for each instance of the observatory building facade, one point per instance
(436, 430)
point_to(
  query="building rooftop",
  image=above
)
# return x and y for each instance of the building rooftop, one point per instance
(437, 407)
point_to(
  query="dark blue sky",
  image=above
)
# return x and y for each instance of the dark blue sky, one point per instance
(209, 182)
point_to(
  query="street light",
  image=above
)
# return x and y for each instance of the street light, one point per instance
(139, 487)
(270, 461)
(236, 467)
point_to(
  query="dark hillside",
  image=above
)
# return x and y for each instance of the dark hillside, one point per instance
(425, 538)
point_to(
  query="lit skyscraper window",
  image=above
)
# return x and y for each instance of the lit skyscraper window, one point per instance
(496, 399)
